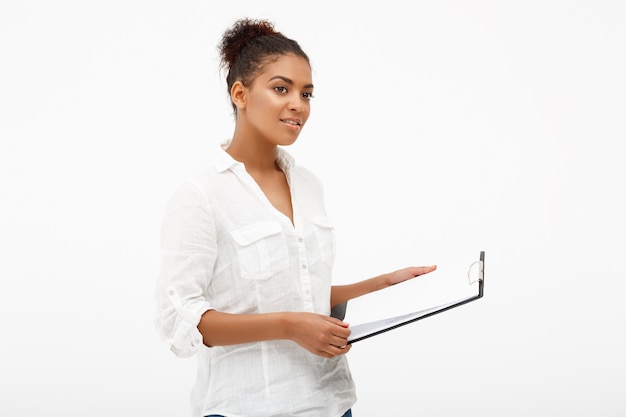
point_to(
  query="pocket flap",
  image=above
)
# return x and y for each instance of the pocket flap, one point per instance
(250, 234)
(322, 221)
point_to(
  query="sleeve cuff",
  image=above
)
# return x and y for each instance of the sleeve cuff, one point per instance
(187, 339)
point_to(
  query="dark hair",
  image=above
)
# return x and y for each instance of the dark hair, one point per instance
(248, 45)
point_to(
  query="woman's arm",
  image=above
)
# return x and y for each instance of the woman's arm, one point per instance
(319, 334)
(341, 293)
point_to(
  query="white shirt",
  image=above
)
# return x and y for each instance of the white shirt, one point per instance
(225, 247)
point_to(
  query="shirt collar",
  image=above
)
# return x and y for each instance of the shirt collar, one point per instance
(284, 159)
(223, 161)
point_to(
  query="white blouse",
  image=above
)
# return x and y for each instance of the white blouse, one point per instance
(225, 247)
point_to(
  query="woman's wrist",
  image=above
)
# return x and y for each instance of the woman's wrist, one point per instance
(386, 280)
(286, 323)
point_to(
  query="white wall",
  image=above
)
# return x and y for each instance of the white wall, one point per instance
(445, 127)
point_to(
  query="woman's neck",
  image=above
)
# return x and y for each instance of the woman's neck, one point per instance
(255, 154)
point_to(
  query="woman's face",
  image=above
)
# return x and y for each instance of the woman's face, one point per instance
(277, 102)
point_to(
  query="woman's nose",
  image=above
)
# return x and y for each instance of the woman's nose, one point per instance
(296, 104)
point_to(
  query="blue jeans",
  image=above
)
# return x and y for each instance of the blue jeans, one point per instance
(348, 414)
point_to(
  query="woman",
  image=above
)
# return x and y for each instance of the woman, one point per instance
(247, 253)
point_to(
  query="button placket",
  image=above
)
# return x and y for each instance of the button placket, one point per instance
(305, 277)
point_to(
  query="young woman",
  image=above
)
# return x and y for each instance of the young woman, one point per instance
(247, 253)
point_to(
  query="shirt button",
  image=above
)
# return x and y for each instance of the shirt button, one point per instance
(303, 266)
(300, 240)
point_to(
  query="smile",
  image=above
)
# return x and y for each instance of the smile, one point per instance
(291, 122)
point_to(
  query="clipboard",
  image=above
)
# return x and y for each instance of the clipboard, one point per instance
(370, 329)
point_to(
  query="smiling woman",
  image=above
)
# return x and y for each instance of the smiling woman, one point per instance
(248, 251)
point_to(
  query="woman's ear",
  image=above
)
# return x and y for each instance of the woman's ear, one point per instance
(238, 95)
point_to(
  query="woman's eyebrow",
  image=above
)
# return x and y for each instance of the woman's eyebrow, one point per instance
(287, 80)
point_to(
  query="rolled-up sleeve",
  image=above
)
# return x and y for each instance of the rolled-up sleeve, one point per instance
(188, 253)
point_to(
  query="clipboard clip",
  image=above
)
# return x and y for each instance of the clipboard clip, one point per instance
(476, 271)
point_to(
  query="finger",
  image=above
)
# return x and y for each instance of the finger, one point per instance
(340, 350)
(336, 321)
(341, 332)
(325, 354)
(331, 351)
(339, 341)
(421, 270)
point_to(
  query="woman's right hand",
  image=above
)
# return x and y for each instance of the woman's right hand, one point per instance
(319, 334)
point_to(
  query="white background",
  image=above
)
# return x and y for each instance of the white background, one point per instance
(440, 128)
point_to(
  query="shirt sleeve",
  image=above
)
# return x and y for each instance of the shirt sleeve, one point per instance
(188, 253)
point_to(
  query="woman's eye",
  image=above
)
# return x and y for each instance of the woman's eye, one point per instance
(281, 89)
(307, 96)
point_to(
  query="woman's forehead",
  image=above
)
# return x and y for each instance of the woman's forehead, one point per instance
(290, 66)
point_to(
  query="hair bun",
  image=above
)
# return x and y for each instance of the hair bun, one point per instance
(239, 35)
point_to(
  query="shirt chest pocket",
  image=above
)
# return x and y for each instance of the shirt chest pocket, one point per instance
(262, 250)
(324, 235)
